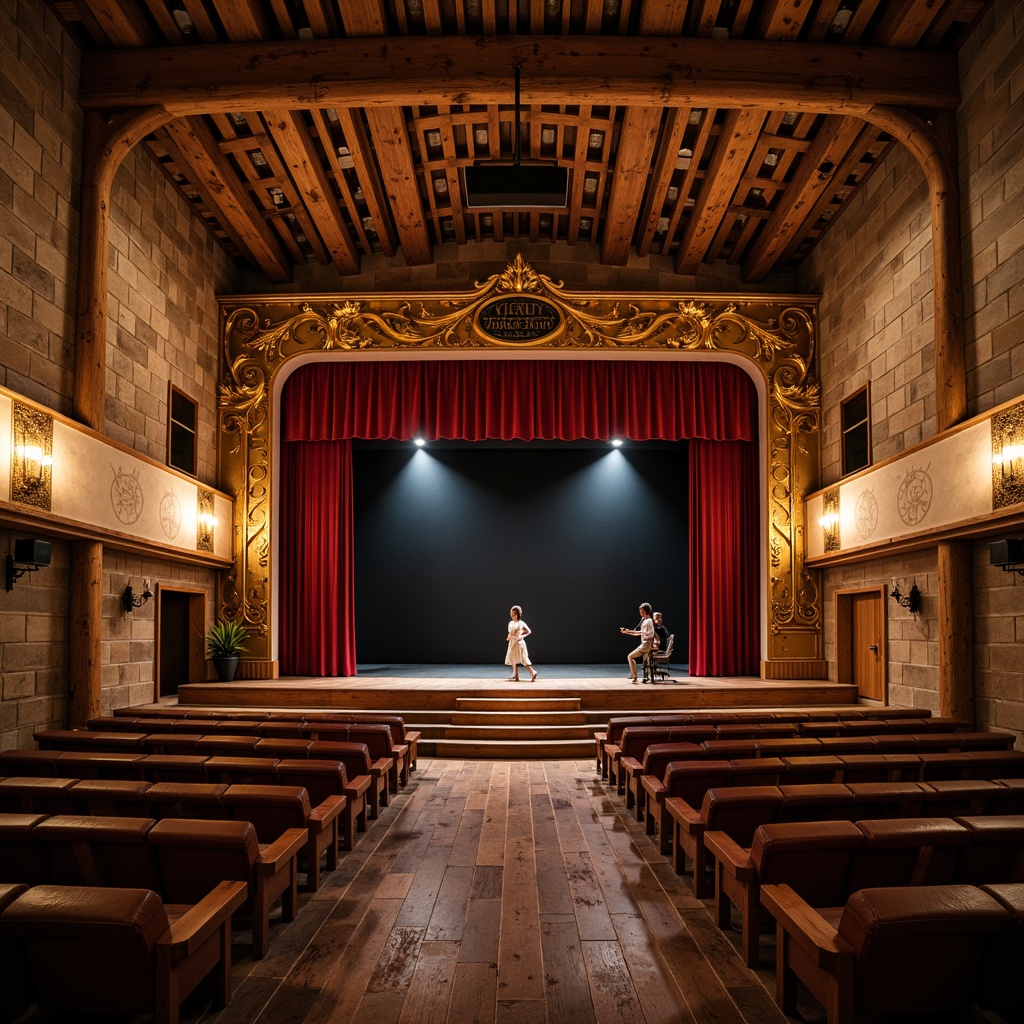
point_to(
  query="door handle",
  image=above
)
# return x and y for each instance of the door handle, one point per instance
(873, 647)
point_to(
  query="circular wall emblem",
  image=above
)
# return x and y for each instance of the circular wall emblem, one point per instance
(866, 512)
(914, 498)
(518, 319)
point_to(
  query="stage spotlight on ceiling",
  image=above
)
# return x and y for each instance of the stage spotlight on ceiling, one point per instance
(616, 442)
(419, 442)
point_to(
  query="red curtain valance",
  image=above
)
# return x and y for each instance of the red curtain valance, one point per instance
(523, 400)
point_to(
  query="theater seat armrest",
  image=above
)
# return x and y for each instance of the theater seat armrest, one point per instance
(381, 766)
(682, 812)
(730, 855)
(654, 786)
(358, 785)
(274, 856)
(198, 923)
(400, 750)
(804, 926)
(630, 765)
(412, 736)
(329, 809)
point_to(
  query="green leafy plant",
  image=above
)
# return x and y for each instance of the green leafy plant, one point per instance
(226, 639)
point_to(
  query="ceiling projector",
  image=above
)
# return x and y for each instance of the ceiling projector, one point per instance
(516, 186)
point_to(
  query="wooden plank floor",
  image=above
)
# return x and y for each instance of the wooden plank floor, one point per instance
(499, 893)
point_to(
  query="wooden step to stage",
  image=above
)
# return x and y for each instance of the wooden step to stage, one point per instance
(509, 750)
(525, 717)
(518, 704)
(513, 730)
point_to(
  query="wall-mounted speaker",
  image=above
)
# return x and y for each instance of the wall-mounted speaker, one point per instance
(1006, 552)
(32, 552)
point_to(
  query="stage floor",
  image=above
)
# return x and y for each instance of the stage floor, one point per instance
(412, 688)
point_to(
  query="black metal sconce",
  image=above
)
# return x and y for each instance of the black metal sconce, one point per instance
(130, 602)
(29, 556)
(1007, 554)
(911, 601)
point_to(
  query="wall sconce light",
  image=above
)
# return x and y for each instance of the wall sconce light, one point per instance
(32, 457)
(1009, 460)
(829, 522)
(911, 601)
(29, 556)
(130, 602)
(1008, 457)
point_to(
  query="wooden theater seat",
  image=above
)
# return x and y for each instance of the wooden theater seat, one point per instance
(119, 950)
(193, 856)
(915, 949)
(358, 762)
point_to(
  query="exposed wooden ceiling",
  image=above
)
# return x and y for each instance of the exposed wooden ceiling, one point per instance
(320, 131)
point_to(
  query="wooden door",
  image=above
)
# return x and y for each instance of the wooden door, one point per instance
(860, 641)
(181, 655)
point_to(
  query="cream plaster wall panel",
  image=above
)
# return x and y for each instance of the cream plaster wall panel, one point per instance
(934, 486)
(6, 445)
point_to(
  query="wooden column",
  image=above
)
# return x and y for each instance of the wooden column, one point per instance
(86, 615)
(107, 143)
(956, 630)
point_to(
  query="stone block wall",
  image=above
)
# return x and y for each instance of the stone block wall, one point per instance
(40, 185)
(165, 272)
(874, 272)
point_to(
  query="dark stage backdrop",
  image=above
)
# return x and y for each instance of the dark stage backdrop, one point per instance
(448, 537)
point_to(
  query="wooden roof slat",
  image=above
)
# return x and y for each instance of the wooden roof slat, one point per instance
(283, 17)
(701, 143)
(208, 169)
(432, 17)
(123, 24)
(293, 142)
(204, 27)
(809, 183)
(169, 29)
(638, 140)
(600, 70)
(783, 19)
(398, 174)
(664, 167)
(576, 179)
(739, 135)
(662, 17)
(243, 20)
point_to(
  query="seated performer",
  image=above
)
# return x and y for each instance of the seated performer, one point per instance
(646, 634)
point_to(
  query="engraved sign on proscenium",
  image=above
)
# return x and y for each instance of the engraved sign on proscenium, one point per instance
(518, 319)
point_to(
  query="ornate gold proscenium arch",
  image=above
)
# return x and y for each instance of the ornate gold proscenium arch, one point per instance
(522, 311)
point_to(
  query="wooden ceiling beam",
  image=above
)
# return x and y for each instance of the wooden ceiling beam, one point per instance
(600, 70)
(299, 155)
(728, 162)
(664, 168)
(813, 178)
(228, 198)
(638, 139)
(123, 24)
(387, 126)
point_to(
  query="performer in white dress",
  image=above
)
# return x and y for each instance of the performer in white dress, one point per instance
(517, 654)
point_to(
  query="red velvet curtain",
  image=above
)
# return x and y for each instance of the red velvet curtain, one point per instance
(523, 401)
(317, 607)
(724, 566)
(325, 405)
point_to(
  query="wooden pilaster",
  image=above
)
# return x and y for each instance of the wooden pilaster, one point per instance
(86, 630)
(956, 630)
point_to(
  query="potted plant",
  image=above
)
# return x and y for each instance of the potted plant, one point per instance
(225, 642)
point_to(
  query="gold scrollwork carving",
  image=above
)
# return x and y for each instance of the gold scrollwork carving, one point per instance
(32, 457)
(775, 336)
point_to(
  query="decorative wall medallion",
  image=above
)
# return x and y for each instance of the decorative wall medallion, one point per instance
(170, 515)
(774, 336)
(866, 513)
(914, 497)
(126, 498)
(32, 457)
(204, 520)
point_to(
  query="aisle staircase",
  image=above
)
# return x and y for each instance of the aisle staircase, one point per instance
(509, 727)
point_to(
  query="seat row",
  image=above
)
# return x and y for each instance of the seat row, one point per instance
(93, 793)
(180, 859)
(815, 721)
(932, 951)
(112, 950)
(825, 862)
(646, 750)
(272, 810)
(739, 810)
(365, 779)
(377, 738)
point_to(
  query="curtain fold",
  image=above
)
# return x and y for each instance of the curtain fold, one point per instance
(527, 400)
(317, 606)
(724, 564)
(326, 405)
